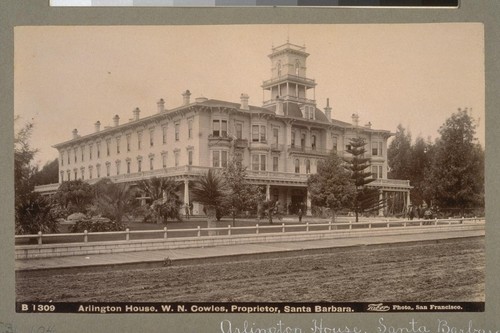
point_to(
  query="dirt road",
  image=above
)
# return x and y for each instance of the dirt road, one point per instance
(444, 271)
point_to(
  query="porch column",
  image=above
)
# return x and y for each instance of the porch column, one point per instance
(268, 192)
(308, 204)
(288, 143)
(381, 199)
(408, 202)
(288, 200)
(186, 191)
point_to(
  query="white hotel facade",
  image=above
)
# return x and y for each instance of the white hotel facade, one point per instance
(280, 142)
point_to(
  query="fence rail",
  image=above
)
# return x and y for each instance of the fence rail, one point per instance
(228, 231)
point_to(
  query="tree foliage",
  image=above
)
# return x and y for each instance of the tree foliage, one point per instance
(49, 174)
(211, 191)
(456, 175)
(74, 196)
(33, 213)
(23, 169)
(165, 203)
(243, 196)
(331, 186)
(115, 200)
(448, 173)
(366, 199)
(399, 155)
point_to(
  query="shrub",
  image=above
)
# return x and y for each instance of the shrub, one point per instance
(97, 224)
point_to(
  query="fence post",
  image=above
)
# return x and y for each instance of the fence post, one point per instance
(404, 224)
(85, 236)
(330, 225)
(257, 229)
(369, 225)
(229, 230)
(307, 226)
(165, 233)
(39, 238)
(282, 227)
(199, 231)
(436, 221)
(127, 234)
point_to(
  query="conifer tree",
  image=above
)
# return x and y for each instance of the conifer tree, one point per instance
(366, 199)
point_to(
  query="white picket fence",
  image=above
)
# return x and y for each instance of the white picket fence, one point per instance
(228, 231)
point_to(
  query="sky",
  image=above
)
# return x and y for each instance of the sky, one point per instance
(416, 75)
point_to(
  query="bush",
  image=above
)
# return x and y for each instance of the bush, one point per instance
(35, 213)
(97, 224)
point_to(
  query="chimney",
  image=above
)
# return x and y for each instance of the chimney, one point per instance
(116, 120)
(186, 96)
(355, 119)
(369, 125)
(136, 112)
(279, 106)
(161, 105)
(97, 126)
(75, 134)
(328, 110)
(244, 102)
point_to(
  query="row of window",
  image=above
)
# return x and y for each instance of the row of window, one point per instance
(118, 170)
(376, 147)
(259, 163)
(66, 156)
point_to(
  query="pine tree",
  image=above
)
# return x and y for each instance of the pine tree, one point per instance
(366, 199)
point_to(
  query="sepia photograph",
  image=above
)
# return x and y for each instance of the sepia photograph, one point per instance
(287, 168)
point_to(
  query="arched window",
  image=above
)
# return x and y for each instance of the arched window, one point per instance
(297, 166)
(279, 67)
(303, 141)
(297, 67)
(313, 142)
(308, 166)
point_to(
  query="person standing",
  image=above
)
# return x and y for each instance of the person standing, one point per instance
(186, 210)
(300, 215)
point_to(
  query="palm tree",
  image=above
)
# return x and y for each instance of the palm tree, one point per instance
(210, 190)
(163, 194)
(115, 201)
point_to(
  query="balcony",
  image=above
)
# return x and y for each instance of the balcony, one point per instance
(291, 99)
(219, 140)
(289, 77)
(241, 143)
(303, 150)
(402, 184)
(259, 145)
(277, 147)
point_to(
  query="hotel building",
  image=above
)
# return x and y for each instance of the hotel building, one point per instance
(280, 142)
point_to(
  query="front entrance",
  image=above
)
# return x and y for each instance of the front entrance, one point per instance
(297, 203)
